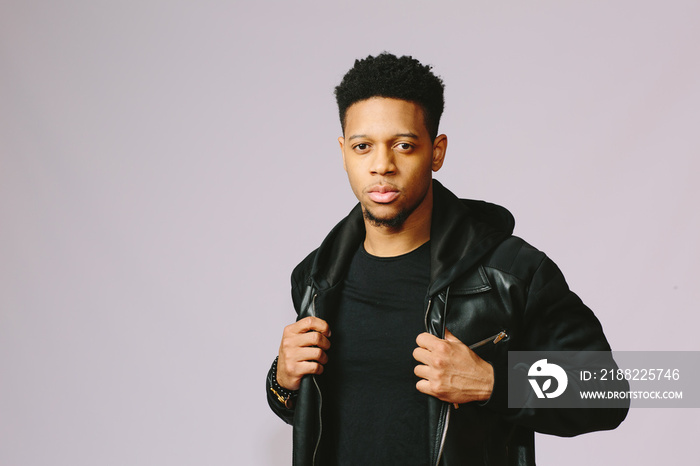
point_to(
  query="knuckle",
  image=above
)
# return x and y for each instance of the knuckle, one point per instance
(286, 347)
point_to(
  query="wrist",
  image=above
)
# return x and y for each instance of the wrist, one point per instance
(488, 381)
(283, 395)
(491, 385)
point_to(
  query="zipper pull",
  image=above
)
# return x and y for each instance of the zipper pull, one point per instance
(492, 339)
(499, 337)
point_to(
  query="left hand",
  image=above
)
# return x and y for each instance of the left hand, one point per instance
(450, 371)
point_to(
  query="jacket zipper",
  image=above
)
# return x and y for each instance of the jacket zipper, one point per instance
(446, 408)
(444, 432)
(445, 411)
(493, 338)
(427, 311)
(320, 396)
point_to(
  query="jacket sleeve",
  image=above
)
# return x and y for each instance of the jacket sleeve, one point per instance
(555, 319)
(284, 413)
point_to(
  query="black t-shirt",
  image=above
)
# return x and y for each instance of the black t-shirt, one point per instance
(373, 413)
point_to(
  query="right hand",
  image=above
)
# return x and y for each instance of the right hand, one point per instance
(302, 351)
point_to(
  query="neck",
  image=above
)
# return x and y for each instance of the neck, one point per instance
(383, 241)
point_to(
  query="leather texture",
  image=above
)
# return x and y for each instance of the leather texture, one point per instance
(483, 281)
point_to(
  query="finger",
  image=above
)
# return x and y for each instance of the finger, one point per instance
(310, 367)
(312, 339)
(422, 371)
(427, 341)
(291, 347)
(423, 386)
(290, 379)
(310, 323)
(311, 354)
(422, 355)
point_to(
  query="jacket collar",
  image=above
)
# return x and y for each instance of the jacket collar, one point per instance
(462, 231)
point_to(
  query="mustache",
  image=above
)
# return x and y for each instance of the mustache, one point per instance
(381, 187)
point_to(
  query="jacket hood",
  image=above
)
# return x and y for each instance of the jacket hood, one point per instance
(462, 231)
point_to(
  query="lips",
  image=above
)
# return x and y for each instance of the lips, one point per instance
(382, 194)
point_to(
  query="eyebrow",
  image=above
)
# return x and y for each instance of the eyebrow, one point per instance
(399, 135)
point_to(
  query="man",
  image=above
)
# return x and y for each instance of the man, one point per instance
(377, 368)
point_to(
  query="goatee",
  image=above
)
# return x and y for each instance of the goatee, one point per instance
(393, 222)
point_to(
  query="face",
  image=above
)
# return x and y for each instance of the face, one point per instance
(389, 158)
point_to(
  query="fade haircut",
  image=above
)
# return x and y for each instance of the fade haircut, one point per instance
(387, 75)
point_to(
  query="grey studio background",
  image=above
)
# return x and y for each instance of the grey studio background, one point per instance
(165, 164)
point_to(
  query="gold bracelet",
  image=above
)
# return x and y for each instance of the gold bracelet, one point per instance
(287, 402)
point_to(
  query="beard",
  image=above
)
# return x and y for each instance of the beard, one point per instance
(392, 222)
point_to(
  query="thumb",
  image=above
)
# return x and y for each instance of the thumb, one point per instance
(450, 337)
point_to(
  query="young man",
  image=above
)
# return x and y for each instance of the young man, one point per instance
(377, 368)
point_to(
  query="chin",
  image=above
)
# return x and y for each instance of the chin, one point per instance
(391, 220)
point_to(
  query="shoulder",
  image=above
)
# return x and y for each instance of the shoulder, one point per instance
(512, 263)
(516, 257)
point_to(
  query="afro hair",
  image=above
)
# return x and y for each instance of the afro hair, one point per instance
(387, 75)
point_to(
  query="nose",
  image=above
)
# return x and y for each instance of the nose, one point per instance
(383, 161)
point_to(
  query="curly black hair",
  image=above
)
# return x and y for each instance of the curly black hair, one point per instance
(387, 75)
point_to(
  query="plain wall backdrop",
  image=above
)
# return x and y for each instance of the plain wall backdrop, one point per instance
(165, 164)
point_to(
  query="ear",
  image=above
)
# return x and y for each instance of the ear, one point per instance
(439, 149)
(341, 141)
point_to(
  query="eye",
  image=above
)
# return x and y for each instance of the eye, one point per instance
(361, 147)
(404, 146)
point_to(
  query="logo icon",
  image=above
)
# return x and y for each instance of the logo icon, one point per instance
(547, 371)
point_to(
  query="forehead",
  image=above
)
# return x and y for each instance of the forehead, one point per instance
(380, 115)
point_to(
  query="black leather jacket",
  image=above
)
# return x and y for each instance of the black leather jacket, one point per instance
(483, 281)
